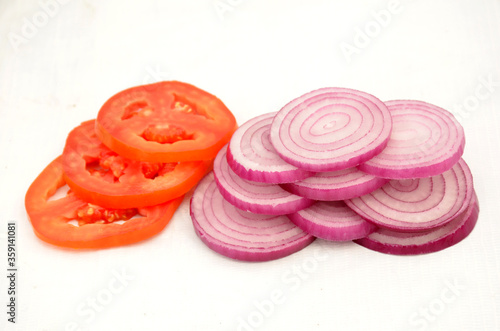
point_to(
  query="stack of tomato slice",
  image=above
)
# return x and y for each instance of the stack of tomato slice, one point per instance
(129, 169)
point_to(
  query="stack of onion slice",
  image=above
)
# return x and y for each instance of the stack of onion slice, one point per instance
(340, 165)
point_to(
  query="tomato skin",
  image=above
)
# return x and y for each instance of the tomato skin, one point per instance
(207, 121)
(50, 218)
(134, 188)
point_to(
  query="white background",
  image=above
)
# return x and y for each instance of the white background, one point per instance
(256, 56)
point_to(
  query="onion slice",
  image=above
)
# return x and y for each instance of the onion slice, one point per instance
(331, 129)
(259, 198)
(426, 140)
(252, 156)
(336, 185)
(418, 204)
(332, 220)
(242, 235)
(400, 243)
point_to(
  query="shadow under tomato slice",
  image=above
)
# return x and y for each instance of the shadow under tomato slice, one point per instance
(100, 176)
(165, 122)
(98, 227)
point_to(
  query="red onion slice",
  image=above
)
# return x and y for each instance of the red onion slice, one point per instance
(401, 243)
(336, 185)
(252, 156)
(331, 129)
(332, 220)
(259, 198)
(242, 235)
(426, 140)
(418, 204)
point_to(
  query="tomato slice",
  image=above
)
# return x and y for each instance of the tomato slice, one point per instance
(100, 176)
(98, 227)
(165, 122)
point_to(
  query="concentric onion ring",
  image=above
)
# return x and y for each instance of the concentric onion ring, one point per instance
(239, 234)
(331, 129)
(404, 243)
(332, 220)
(418, 204)
(336, 185)
(426, 140)
(252, 156)
(259, 198)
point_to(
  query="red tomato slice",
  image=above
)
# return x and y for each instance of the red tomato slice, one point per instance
(97, 226)
(165, 122)
(102, 177)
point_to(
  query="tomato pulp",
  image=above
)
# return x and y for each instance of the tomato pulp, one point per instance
(100, 176)
(165, 122)
(98, 227)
